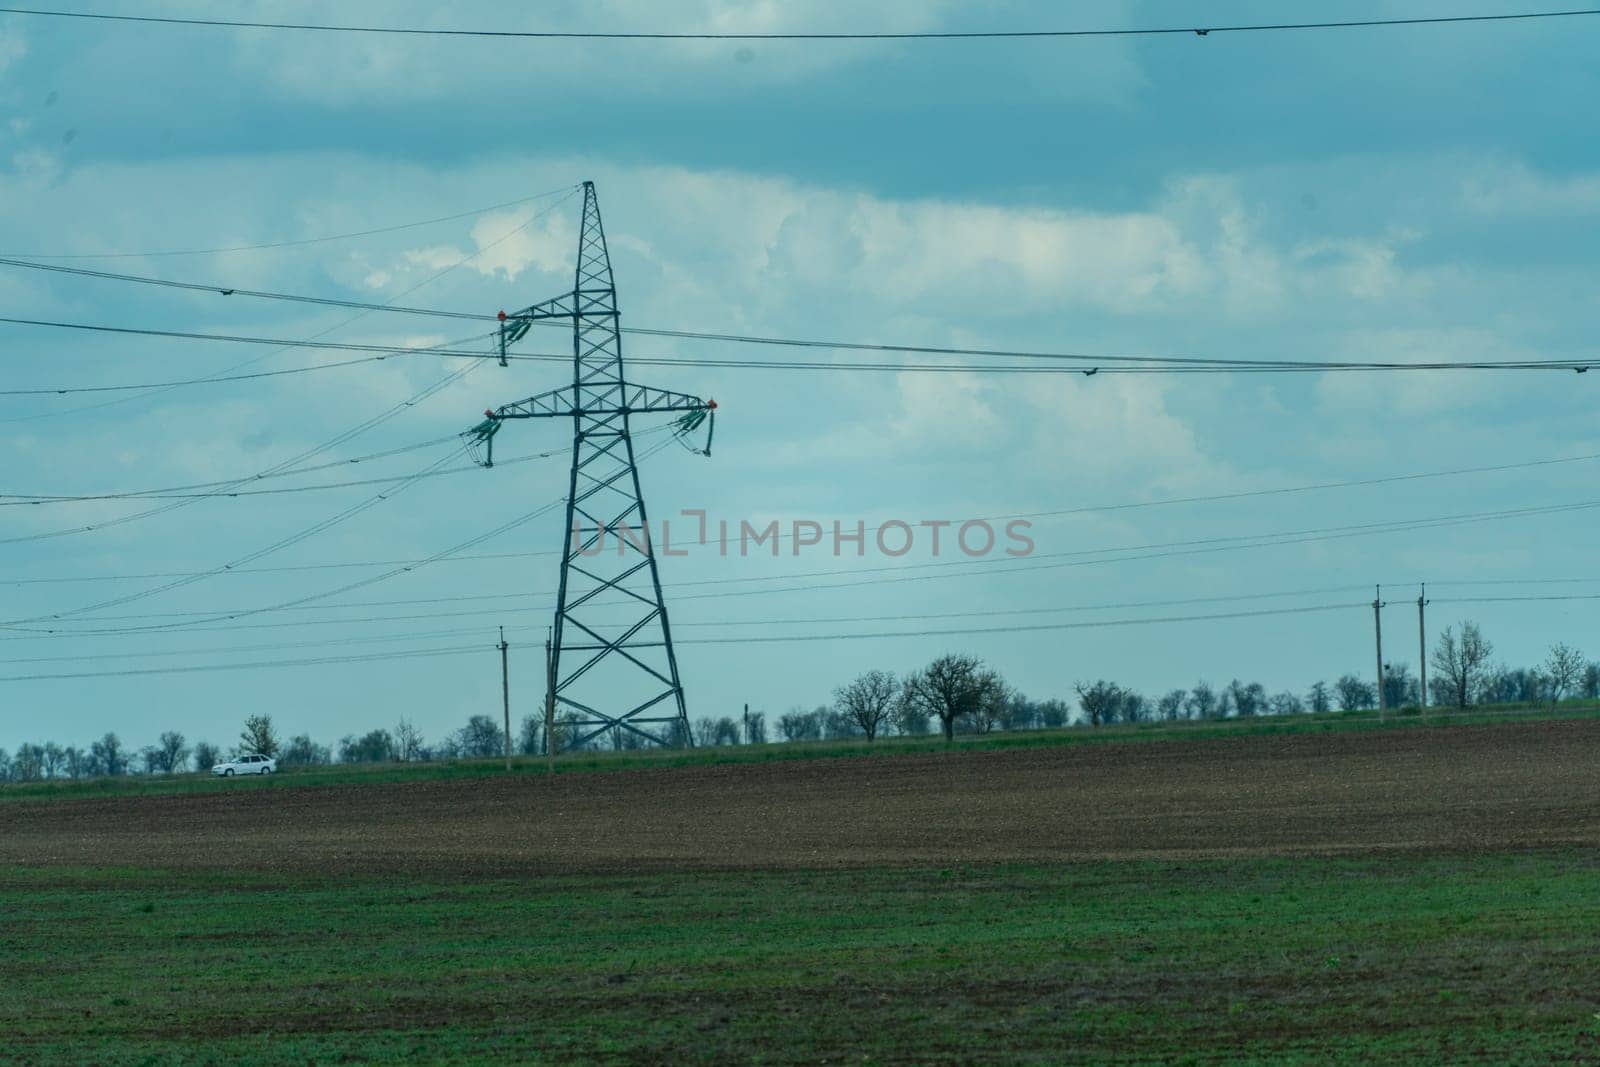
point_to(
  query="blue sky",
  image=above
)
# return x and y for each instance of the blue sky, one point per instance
(1402, 194)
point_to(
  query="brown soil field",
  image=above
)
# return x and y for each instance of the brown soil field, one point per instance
(1463, 789)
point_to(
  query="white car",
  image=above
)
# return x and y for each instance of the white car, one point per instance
(251, 764)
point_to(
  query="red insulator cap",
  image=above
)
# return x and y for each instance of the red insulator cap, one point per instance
(712, 404)
(488, 413)
(502, 314)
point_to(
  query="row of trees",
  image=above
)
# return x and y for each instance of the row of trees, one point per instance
(960, 694)
(954, 694)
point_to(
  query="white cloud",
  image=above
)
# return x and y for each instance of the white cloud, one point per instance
(12, 47)
(1421, 392)
(1516, 191)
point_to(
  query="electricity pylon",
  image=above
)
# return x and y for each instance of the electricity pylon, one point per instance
(608, 561)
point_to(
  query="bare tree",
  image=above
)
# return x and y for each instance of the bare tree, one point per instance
(949, 689)
(1170, 707)
(28, 764)
(1318, 697)
(1591, 681)
(1460, 663)
(171, 751)
(301, 751)
(73, 761)
(1562, 671)
(408, 740)
(206, 755)
(1285, 703)
(528, 736)
(991, 707)
(375, 746)
(910, 718)
(108, 756)
(1400, 689)
(869, 700)
(756, 728)
(796, 725)
(1099, 701)
(1202, 702)
(258, 736)
(51, 759)
(481, 738)
(1248, 700)
(1054, 713)
(1354, 693)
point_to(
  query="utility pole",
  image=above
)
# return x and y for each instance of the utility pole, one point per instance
(549, 708)
(505, 692)
(1422, 646)
(747, 738)
(1377, 630)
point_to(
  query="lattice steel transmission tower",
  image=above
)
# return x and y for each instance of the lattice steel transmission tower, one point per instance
(603, 678)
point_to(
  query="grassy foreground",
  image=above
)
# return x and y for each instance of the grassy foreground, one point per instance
(354, 774)
(1357, 960)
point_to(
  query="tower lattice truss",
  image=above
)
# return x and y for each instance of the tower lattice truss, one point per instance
(612, 666)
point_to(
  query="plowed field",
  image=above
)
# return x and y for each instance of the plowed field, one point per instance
(1464, 789)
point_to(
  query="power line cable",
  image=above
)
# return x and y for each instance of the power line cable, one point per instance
(748, 639)
(1094, 363)
(253, 293)
(361, 583)
(368, 458)
(495, 612)
(370, 657)
(987, 567)
(1512, 599)
(293, 461)
(886, 35)
(288, 244)
(280, 646)
(229, 494)
(1060, 512)
(1151, 364)
(180, 383)
(276, 546)
(288, 346)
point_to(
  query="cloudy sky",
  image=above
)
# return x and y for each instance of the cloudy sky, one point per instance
(1409, 195)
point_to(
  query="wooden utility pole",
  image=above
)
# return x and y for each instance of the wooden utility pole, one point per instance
(747, 737)
(1377, 630)
(549, 709)
(1422, 647)
(505, 692)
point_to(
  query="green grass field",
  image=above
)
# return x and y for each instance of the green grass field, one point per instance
(1486, 959)
(345, 774)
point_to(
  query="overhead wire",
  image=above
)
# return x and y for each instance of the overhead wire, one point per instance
(218, 616)
(294, 243)
(898, 573)
(1088, 364)
(9, 500)
(67, 390)
(1201, 29)
(334, 442)
(783, 535)
(499, 612)
(279, 545)
(744, 639)
(308, 342)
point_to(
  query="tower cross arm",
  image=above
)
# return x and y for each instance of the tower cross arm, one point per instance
(633, 400)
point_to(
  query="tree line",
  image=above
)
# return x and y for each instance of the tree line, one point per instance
(954, 694)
